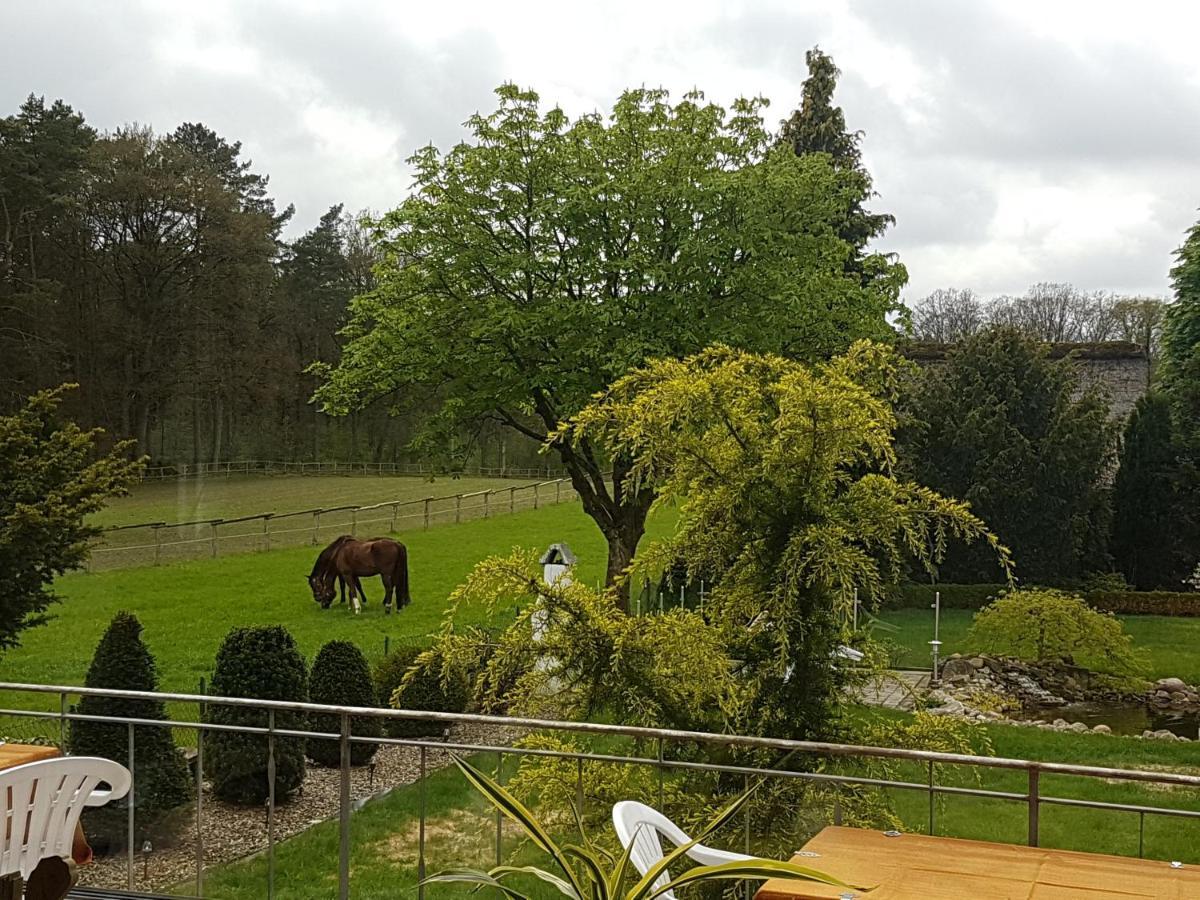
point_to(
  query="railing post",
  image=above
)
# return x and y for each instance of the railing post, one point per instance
(200, 802)
(62, 721)
(270, 804)
(1141, 834)
(660, 773)
(931, 798)
(579, 786)
(130, 800)
(344, 811)
(837, 806)
(499, 815)
(421, 830)
(1033, 801)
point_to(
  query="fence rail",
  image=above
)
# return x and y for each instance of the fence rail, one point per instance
(286, 467)
(672, 751)
(156, 543)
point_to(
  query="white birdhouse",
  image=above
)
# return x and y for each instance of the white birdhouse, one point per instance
(556, 569)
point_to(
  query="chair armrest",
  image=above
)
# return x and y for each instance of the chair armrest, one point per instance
(711, 856)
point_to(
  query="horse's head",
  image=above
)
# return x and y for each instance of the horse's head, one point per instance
(323, 591)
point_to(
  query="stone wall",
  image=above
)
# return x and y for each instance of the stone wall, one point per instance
(1122, 369)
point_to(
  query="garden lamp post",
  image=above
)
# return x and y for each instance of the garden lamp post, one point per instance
(935, 643)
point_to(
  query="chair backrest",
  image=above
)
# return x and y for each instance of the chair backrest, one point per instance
(41, 803)
(644, 827)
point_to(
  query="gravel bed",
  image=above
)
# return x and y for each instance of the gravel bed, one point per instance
(233, 832)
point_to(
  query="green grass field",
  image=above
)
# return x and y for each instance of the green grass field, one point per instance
(1172, 644)
(187, 608)
(461, 830)
(191, 499)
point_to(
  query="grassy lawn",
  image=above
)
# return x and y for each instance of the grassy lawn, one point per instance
(187, 608)
(1172, 643)
(461, 831)
(191, 499)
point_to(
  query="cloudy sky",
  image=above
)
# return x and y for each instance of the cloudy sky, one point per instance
(1014, 141)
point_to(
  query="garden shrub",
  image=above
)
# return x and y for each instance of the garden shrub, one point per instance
(1146, 603)
(1046, 626)
(161, 780)
(954, 596)
(404, 680)
(262, 663)
(341, 677)
(1122, 601)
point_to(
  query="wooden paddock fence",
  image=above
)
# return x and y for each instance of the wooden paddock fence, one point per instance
(284, 467)
(158, 543)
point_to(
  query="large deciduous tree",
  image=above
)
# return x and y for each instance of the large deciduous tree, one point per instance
(541, 259)
(52, 476)
(1004, 427)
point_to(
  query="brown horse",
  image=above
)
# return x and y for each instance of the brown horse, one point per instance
(348, 559)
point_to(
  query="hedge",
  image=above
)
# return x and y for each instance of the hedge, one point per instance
(426, 691)
(341, 677)
(977, 596)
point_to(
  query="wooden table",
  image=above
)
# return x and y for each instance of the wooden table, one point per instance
(53, 878)
(917, 867)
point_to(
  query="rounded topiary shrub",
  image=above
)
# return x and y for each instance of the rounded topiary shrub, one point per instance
(427, 690)
(262, 663)
(341, 677)
(161, 780)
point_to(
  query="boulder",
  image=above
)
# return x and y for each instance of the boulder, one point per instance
(976, 662)
(1170, 685)
(1078, 728)
(951, 707)
(954, 668)
(1102, 729)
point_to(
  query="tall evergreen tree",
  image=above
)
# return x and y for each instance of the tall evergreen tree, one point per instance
(1154, 501)
(819, 126)
(1180, 364)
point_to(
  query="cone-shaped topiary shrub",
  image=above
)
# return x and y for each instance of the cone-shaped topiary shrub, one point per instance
(427, 689)
(161, 780)
(341, 677)
(263, 663)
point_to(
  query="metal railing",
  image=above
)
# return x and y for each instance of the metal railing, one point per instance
(155, 543)
(1033, 798)
(285, 467)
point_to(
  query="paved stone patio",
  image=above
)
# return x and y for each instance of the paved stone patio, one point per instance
(896, 691)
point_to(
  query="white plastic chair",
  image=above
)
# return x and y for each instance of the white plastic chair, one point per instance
(644, 826)
(41, 803)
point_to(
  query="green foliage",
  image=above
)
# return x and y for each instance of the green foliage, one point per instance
(341, 677)
(413, 677)
(1004, 428)
(262, 663)
(161, 781)
(1046, 626)
(52, 476)
(1146, 603)
(781, 474)
(539, 260)
(820, 127)
(588, 872)
(1156, 498)
(1179, 373)
(954, 596)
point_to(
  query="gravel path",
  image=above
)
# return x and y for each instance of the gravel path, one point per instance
(233, 832)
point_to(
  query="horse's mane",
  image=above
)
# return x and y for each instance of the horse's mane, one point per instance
(325, 559)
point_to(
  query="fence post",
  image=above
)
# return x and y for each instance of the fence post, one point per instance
(157, 545)
(213, 525)
(558, 491)
(535, 495)
(486, 495)
(512, 499)
(267, 532)
(395, 509)
(354, 521)
(457, 508)
(427, 499)
(316, 526)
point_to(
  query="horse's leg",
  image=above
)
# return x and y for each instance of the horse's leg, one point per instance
(387, 593)
(342, 588)
(355, 589)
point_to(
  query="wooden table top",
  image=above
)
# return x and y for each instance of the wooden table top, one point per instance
(918, 867)
(19, 754)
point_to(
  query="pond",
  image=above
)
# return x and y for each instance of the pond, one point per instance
(1122, 718)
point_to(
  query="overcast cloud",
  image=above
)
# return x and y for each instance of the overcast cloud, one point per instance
(1014, 141)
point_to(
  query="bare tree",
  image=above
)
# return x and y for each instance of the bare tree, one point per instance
(948, 315)
(1140, 320)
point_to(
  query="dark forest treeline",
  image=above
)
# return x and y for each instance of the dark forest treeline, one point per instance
(150, 269)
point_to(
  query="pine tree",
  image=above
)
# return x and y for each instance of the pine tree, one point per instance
(341, 677)
(161, 782)
(1154, 498)
(262, 663)
(819, 126)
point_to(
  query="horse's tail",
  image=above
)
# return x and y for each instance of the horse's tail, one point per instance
(400, 577)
